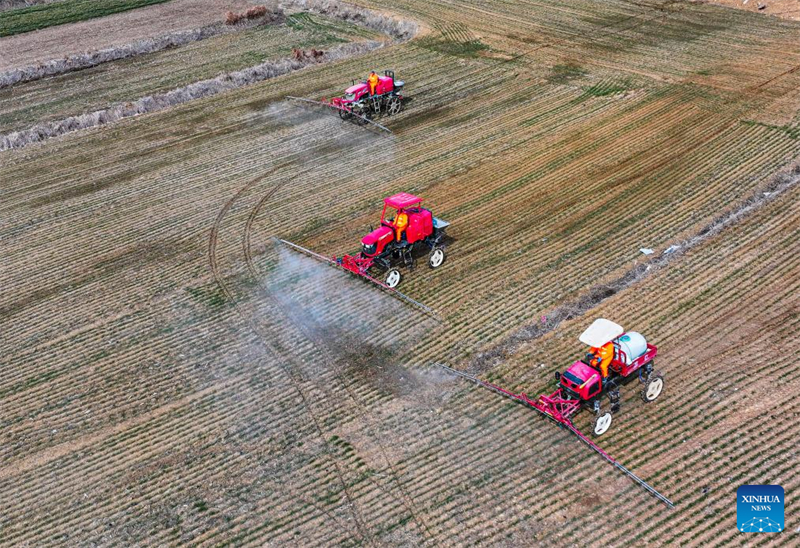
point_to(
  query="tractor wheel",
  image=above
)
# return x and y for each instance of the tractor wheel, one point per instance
(436, 257)
(653, 389)
(393, 278)
(602, 423)
(344, 114)
(360, 116)
(394, 107)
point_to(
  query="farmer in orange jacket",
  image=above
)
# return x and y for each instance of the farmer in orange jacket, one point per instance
(601, 357)
(373, 82)
(400, 223)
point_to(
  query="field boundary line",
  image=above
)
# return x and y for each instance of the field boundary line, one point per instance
(144, 46)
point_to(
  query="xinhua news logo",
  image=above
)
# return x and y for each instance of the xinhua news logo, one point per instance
(759, 508)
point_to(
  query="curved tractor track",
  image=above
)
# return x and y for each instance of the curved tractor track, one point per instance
(218, 278)
(324, 351)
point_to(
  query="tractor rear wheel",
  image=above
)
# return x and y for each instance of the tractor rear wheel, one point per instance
(393, 278)
(602, 423)
(653, 389)
(436, 257)
(394, 107)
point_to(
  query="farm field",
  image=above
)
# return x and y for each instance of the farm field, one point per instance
(174, 377)
(74, 93)
(31, 18)
(112, 30)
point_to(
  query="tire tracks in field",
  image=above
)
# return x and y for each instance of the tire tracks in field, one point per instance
(766, 83)
(323, 346)
(218, 278)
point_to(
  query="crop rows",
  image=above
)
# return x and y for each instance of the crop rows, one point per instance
(734, 357)
(68, 11)
(73, 93)
(173, 377)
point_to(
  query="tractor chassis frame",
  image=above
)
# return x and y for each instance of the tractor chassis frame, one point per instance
(612, 386)
(404, 256)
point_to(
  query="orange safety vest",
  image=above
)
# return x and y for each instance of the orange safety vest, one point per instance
(604, 355)
(400, 224)
(373, 83)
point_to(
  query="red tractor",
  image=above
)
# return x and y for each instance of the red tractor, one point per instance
(359, 106)
(623, 357)
(410, 229)
(583, 384)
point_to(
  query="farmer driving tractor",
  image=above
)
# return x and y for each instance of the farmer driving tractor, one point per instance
(601, 357)
(400, 223)
(372, 80)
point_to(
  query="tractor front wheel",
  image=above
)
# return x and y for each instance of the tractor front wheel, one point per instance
(360, 115)
(602, 423)
(344, 114)
(653, 389)
(393, 278)
(436, 257)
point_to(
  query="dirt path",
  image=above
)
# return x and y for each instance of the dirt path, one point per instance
(122, 28)
(785, 9)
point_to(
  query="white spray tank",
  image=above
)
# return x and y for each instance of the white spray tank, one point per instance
(633, 344)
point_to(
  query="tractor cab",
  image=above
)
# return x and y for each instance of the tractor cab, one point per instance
(397, 204)
(420, 220)
(420, 224)
(623, 356)
(630, 352)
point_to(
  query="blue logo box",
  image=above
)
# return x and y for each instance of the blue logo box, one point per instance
(759, 509)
